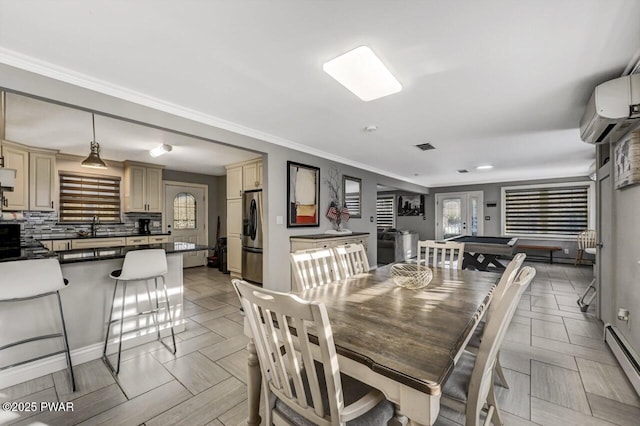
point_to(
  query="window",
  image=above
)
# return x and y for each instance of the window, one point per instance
(84, 196)
(385, 211)
(184, 211)
(553, 211)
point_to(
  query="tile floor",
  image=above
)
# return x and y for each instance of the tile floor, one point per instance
(558, 367)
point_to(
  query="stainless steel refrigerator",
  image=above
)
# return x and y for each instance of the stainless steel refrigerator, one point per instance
(252, 236)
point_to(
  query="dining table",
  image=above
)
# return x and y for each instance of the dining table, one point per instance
(404, 342)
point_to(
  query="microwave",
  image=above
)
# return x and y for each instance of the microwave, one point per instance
(9, 234)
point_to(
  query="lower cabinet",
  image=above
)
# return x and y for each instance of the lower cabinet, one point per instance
(136, 241)
(234, 254)
(306, 242)
(61, 245)
(98, 242)
(158, 239)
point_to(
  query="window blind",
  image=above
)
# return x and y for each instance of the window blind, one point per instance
(385, 212)
(546, 211)
(84, 196)
(352, 201)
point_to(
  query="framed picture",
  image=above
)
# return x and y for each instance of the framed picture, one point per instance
(303, 195)
(411, 205)
(627, 161)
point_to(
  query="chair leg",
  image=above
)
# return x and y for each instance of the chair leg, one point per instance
(500, 374)
(106, 339)
(492, 401)
(579, 257)
(66, 345)
(154, 315)
(166, 296)
(116, 370)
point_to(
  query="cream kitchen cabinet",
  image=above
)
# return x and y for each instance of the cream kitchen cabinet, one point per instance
(98, 242)
(234, 236)
(60, 245)
(252, 176)
(142, 188)
(17, 157)
(158, 239)
(136, 241)
(234, 183)
(42, 181)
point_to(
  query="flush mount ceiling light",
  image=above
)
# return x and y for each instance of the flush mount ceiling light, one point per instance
(486, 167)
(93, 161)
(363, 73)
(160, 150)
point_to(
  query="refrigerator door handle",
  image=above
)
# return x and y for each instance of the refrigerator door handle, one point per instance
(251, 250)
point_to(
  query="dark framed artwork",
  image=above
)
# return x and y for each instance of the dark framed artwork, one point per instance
(411, 205)
(303, 195)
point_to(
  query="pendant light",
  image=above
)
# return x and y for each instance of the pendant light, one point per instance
(94, 161)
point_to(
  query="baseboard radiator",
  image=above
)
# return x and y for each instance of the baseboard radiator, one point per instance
(626, 356)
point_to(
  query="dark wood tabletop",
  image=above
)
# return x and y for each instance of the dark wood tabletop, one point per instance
(410, 336)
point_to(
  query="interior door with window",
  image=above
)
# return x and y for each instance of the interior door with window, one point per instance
(459, 213)
(185, 216)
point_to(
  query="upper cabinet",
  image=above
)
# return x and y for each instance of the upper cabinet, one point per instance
(17, 157)
(234, 182)
(142, 188)
(243, 177)
(42, 181)
(252, 176)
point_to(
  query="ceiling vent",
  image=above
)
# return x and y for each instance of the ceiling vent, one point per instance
(463, 171)
(425, 146)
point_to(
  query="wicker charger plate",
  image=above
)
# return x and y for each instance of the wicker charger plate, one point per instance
(411, 275)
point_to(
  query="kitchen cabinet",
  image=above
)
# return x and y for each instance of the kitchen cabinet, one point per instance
(17, 157)
(60, 245)
(252, 176)
(136, 241)
(157, 239)
(142, 188)
(42, 181)
(318, 241)
(234, 182)
(47, 244)
(98, 242)
(234, 236)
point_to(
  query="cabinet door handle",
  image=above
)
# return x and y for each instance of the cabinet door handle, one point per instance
(52, 204)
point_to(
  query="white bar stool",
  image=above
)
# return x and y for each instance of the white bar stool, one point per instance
(140, 266)
(30, 279)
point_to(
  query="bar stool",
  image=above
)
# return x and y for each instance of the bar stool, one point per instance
(140, 266)
(31, 279)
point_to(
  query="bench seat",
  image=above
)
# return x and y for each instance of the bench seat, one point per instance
(550, 249)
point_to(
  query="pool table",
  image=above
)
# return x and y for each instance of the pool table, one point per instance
(482, 253)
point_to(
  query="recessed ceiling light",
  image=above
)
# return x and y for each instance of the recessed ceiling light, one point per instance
(486, 167)
(371, 128)
(160, 150)
(363, 73)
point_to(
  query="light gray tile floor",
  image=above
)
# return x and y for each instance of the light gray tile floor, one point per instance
(554, 359)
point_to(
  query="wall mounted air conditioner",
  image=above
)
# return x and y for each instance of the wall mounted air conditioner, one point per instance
(612, 111)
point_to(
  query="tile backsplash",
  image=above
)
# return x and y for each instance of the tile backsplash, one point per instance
(42, 225)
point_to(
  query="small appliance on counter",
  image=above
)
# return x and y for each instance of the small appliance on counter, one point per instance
(144, 226)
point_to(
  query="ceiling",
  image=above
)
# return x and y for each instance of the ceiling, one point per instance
(498, 82)
(48, 125)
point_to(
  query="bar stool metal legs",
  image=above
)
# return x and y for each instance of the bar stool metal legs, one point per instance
(153, 312)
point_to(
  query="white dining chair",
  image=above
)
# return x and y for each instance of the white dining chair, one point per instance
(314, 267)
(298, 389)
(443, 254)
(352, 259)
(586, 244)
(471, 384)
(508, 277)
(24, 280)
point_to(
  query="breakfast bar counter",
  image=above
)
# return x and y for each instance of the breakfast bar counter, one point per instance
(86, 301)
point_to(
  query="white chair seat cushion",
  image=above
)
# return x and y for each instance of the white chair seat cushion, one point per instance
(27, 278)
(352, 390)
(476, 338)
(457, 385)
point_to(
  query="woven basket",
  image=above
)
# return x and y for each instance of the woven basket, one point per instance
(411, 275)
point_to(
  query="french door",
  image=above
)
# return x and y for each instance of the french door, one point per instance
(459, 213)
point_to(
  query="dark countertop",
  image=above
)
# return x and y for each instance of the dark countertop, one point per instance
(323, 236)
(102, 253)
(74, 236)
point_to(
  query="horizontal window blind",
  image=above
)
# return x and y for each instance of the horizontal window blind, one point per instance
(547, 211)
(385, 212)
(352, 202)
(83, 196)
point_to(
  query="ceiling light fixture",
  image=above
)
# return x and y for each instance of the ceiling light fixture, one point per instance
(363, 73)
(160, 150)
(486, 167)
(93, 161)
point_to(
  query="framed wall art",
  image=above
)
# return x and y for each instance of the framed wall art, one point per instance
(627, 161)
(303, 195)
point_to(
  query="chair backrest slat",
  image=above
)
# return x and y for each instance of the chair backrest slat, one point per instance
(315, 267)
(587, 239)
(508, 277)
(444, 254)
(352, 259)
(278, 324)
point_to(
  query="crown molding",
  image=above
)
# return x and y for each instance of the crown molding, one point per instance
(47, 69)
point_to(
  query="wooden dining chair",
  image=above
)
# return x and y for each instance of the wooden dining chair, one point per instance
(471, 384)
(443, 254)
(352, 259)
(508, 277)
(299, 389)
(314, 267)
(586, 240)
